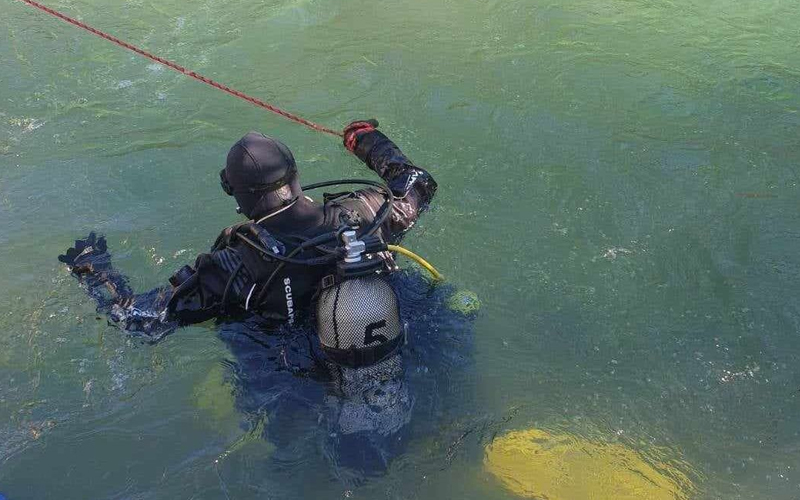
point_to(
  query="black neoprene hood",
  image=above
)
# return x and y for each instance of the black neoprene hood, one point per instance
(258, 165)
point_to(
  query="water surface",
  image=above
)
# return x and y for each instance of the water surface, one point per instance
(618, 183)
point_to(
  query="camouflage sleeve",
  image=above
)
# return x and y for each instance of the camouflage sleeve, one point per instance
(158, 312)
(143, 314)
(412, 186)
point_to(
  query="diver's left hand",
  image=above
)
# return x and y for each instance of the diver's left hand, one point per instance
(86, 254)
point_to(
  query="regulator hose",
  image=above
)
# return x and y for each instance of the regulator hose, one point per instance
(437, 276)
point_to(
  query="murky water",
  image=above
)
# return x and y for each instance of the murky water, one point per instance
(618, 183)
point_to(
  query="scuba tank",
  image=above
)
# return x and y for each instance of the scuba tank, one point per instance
(358, 318)
(360, 332)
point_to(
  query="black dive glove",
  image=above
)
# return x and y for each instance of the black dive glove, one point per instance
(89, 255)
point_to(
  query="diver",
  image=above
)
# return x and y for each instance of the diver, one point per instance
(291, 253)
(276, 262)
(293, 261)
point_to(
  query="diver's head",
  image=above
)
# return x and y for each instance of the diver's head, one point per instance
(261, 174)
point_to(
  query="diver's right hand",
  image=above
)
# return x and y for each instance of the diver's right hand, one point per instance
(355, 130)
(86, 254)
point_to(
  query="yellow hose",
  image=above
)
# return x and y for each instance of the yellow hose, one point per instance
(419, 260)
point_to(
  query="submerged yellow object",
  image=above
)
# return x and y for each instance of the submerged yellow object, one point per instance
(214, 396)
(538, 464)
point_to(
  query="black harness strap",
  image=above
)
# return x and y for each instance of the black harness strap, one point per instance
(364, 356)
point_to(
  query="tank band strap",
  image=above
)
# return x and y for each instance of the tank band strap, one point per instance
(364, 356)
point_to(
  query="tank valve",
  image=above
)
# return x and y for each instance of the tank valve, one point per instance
(353, 246)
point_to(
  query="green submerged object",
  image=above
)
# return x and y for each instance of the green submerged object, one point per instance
(465, 302)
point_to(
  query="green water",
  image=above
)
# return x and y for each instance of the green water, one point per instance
(618, 183)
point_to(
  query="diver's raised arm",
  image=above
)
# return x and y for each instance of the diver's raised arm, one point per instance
(412, 186)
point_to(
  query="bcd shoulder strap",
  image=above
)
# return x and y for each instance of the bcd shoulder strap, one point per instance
(227, 235)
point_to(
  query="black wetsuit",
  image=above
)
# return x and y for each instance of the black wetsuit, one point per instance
(232, 277)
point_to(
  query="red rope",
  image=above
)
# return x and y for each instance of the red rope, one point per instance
(181, 69)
